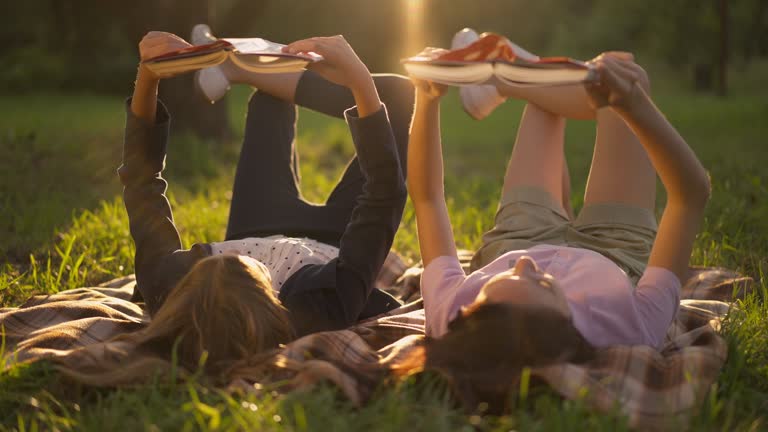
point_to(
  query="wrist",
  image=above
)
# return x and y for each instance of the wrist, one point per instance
(637, 103)
(425, 98)
(361, 82)
(366, 97)
(146, 78)
(426, 103)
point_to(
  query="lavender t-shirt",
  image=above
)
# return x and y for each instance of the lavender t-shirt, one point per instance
(607, 308)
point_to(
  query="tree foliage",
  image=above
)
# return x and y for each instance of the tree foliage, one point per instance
(91, 44)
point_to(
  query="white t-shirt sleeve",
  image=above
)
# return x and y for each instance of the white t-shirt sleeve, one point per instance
(440, 282)
(657, 298)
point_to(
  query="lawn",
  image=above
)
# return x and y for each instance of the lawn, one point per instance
(62, 225)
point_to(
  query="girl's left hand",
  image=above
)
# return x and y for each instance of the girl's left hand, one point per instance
(340, 65)
(620, 81)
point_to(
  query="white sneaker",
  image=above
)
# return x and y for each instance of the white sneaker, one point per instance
(210, 82)
(478, 100)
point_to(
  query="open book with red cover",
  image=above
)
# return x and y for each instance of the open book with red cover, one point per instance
(494, 57)
(253, 54)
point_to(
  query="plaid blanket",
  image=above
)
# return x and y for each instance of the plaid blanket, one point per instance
(652, 388)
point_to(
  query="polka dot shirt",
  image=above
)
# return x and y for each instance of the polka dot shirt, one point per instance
(283, 256)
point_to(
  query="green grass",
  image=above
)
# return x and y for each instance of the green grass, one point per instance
(63, 225)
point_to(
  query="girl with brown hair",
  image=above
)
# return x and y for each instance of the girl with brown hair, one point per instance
(547, 288)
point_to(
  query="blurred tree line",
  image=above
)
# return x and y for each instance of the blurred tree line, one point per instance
(91, 44)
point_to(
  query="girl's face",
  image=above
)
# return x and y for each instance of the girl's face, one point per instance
(523, 284)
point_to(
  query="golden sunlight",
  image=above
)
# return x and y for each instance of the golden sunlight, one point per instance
(414, 26)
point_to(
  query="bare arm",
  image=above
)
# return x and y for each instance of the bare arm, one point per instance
(683, 176)
(144, 102)
(425, 176)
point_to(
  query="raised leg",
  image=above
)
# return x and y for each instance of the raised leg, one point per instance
(280, 85)
(537, 159)
(266, 182)
(327, 222)
(569, 101)
(621, 171)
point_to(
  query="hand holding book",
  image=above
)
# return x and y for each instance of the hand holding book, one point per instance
(252, 54)
(619, 81)
(155, 44)
(342, 66)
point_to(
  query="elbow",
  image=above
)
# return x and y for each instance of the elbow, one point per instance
(420, 192)
(701, 189)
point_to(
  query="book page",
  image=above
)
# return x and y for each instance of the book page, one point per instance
(269, 64)
(454, 74)
(553, 74)
(187, 63)
(262, 47)
(255, 46)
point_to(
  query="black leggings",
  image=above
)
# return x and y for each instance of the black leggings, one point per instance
(265, 196)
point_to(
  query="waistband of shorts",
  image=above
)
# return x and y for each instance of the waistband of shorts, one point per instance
(532, 195)
(616, 214)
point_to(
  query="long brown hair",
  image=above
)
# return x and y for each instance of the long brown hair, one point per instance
(221, 318)
(488, 345)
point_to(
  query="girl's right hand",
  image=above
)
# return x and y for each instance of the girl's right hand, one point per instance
(156, 43)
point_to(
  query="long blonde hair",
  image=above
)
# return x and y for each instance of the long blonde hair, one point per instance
(221, 318)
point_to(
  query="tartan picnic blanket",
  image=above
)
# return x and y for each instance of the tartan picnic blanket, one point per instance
(651, 388)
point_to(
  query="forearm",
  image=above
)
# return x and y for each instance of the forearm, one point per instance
(144, 102)
(683, 176)
(425, 156)
(425, 182)
(374, 221)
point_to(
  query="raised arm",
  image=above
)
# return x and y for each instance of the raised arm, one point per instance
(684, 178)
(425, 175)
(332, 296)
(153, 44)
(159, 260)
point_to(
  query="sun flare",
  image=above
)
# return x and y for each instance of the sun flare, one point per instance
(414, 26)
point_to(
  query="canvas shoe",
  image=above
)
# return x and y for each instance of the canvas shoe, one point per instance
(478, 100)
(210, 82)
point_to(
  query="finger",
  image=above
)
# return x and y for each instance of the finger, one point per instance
(624, 71)
(305, 45)
(163, 39)
(157, 36)
(169, 43)
(611, 79)
(623, 55)
(162, 48)
(621, 67)
(155, 33)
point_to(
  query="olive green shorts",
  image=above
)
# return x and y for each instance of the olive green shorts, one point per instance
(530, 216)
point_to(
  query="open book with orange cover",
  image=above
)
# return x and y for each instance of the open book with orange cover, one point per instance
(493, 57)
(253, 54)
